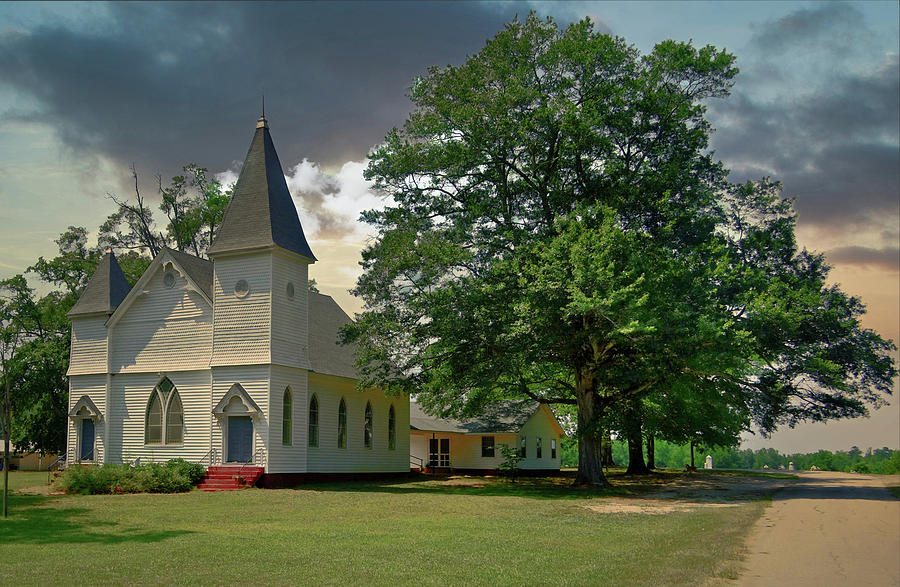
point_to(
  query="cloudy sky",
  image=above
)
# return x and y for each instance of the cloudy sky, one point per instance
(88, 89)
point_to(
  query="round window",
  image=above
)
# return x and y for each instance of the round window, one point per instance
(169, 279)
(290, 290)
(241, 288)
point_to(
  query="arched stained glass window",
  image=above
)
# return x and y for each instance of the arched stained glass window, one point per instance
(164, 421)
(392, 429)
(287, 418)
(313, 439)
(153, 425)
(367, 426)
(342, 424)
(174, 419)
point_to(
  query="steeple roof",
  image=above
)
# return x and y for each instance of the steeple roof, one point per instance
(261, 212)
(105, 290)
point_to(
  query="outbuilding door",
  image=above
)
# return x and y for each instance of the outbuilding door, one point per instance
(87, 440)
(240, 439)
(439, 452)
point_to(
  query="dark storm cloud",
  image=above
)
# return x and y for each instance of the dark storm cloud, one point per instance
(165, 84)
(832, 139)
(887, 259)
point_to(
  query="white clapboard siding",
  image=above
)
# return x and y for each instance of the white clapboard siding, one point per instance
(540, 425)
(165, 328)
(289, 315)
(93, 386)
(88, 353)
(130, 394)
(290, 458)
(241, 325)
(328, 458)
(255, 381)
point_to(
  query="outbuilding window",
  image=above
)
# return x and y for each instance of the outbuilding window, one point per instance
(367, 426)
(313, 437)
(164, 419)
(537, 448)
(522, 450)
(487, 446)
(342, 424)
(552, 448)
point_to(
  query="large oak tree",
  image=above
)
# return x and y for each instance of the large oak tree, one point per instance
(559, 231)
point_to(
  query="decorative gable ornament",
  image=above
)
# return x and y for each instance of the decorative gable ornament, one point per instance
(85, 408)
(237, 402)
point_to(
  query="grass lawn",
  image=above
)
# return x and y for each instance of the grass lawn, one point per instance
(460, 531)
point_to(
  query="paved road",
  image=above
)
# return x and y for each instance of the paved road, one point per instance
(828, 529)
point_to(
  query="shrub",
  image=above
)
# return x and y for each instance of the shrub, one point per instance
(174, 476)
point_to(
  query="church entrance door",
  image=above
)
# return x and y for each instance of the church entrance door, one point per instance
(87, 440)
(240, 439)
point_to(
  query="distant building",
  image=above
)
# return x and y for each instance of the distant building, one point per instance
(472, 445)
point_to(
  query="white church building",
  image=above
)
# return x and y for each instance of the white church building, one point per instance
(230, 359)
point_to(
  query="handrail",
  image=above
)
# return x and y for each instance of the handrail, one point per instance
(213, 457)
(55, 466)
(255, 460)
(417, 462)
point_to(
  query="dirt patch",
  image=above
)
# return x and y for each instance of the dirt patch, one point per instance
(616, 505)
(689, 492)
(38, 490)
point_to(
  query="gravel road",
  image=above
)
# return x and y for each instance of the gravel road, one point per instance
(827, 529)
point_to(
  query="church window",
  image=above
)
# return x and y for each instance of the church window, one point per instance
(287, 418)
(164, 421)
(241, 288)
(342, 424)
(392, 429)
(522, 450)
(290, 290)
(367, 426)
(313, 439)
(169, 279)
(153, 428)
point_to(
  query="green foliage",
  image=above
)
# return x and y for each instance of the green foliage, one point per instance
(880, 461)
(511, 458)
(174, 476)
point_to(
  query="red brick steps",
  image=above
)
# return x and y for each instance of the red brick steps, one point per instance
(230, 477)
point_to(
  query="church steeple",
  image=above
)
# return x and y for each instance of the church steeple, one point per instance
(261, 213)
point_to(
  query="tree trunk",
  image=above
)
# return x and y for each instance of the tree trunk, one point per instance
(606, 458)
(692, 456)
(6, 431)
(651, 452)
(636, 464)
(590, 468)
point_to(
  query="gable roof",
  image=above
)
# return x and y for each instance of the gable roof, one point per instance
(104, 291)
(261, 212)
(199, 270)
(503, 417)
(325, 354)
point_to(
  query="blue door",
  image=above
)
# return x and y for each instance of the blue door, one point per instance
(87, 440)
(240, 439)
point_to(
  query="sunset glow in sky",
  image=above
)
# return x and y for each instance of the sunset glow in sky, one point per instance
(88, 89)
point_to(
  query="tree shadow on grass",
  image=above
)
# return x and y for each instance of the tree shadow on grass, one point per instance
(554, 487)
(32, 522)
(669, 484)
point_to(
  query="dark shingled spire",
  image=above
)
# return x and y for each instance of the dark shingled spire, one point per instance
(261, 212)
(105, 290)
